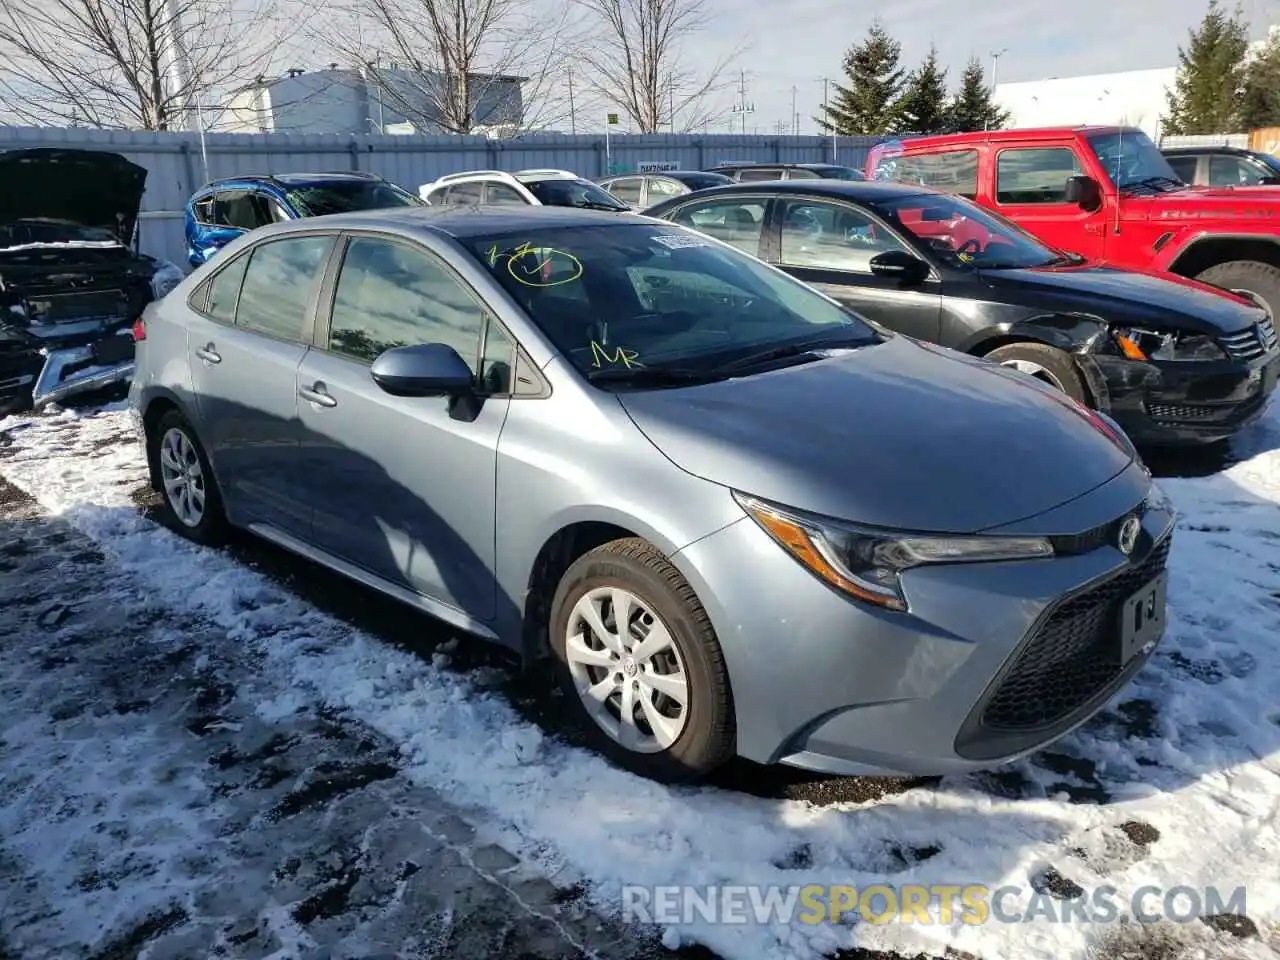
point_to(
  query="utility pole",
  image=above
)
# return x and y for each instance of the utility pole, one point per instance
(573, 113)
(795, 117)
(671, 102)
(742, 107)
(995, 74)
(826, 85)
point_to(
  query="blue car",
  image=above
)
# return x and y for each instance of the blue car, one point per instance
(222, 210)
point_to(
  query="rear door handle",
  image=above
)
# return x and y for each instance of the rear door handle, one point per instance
(317, 394)
(208, 354)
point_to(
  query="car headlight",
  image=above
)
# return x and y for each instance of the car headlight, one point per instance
(1138, 344)
(866, 563)
(167, 276)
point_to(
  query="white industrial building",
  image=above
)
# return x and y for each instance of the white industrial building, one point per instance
(1135, 98)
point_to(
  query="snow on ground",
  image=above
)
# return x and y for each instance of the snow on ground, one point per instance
(1176, 785)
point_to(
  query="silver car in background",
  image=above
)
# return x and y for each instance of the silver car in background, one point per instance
(738, 518)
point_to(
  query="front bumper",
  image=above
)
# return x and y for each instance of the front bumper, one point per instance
(1184, 403)
(70, 370)
(993, 661)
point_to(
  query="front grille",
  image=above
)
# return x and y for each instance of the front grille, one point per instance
(1203, 413)
(1071, 544)
(1072, 656)
(68, 307)
(1252, 343)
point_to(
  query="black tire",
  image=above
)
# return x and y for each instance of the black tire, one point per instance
(707, 740)
(1260, 279)
(212, 528)
(1057, 364)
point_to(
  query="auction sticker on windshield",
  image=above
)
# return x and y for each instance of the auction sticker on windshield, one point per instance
(680, 241)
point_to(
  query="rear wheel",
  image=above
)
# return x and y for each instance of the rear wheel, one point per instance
(637, 657)
(188, 490)
(1262, 280)
(1049, 364)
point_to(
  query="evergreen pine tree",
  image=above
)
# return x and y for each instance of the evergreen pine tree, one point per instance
(868, 104)
(973, 107)
(924, 102)
(1260, 101)
(1207, 95)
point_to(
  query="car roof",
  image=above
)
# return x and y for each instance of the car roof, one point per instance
(859, 191)
(464, 220)
(674, 174)
(1208, 148)
(1003, 136)
(294, 179)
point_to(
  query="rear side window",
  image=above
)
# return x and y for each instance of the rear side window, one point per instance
(735, 221)
(501, 195)
(757, 175)
(242, 209)
(627, 190)
(224, 290)
(1184, 167)
(662, 187)
(465, 193)
(275, 297)
(955, 171)
(1035, 175)
(203, 210)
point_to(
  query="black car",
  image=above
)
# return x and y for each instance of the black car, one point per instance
(640, 190)
(71, 287)
(742, 172)
(1173, 360)
(1223, 166)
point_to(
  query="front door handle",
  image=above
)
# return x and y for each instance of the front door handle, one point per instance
(208, 354)
(317, 394)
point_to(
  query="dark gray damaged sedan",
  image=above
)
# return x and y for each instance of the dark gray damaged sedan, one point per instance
(739, 518)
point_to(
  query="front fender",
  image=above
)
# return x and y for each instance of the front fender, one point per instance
(1071, 332)
(1174, 248)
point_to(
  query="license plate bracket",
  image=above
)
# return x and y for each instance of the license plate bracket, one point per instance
(1142, 617)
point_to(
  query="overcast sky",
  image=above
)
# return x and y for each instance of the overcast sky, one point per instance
(798, 41)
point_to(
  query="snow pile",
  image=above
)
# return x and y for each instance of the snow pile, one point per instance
(1189, 756)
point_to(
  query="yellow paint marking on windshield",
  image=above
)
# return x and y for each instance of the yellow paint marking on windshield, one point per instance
(493, 255)
(533, 266)
(628, 358)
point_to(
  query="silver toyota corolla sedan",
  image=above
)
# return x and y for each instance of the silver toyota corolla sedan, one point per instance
(738, 518)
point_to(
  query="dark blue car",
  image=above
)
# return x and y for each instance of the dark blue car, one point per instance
(222, 210)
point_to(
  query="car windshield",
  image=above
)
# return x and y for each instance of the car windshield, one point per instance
(41, 231)
(573, 193)
(1132, 162)
(963, 235)
(349, 196)
(628, 296)
(1267, 159)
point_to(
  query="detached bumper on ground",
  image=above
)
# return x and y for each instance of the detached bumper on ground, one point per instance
(993, 660)
(57, 371)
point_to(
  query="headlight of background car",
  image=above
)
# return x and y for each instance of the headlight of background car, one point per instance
(1138, 344)
(167, 276)
(866, 564)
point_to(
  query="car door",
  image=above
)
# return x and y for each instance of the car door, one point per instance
(246, 340)
(404, 487)
(1030, 189)
(736, 220)
(830, 245)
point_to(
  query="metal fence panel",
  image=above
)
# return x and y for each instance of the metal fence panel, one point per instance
(178, 163)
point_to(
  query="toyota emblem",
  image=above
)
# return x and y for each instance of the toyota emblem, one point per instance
(1128, 538)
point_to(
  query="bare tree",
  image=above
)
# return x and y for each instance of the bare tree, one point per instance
(637, 62)
(140, 64)
(460, 66)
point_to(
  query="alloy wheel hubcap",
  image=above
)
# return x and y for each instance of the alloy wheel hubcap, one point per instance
(182, 478)
(627, 670)
(1033, 369)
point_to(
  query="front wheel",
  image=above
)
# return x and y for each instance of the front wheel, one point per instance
(1048, 364)
(1262, 280)
(637, 657)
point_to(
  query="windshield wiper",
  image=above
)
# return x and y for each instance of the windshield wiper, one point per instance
(597, 205)
(652, 376)
(786, 351)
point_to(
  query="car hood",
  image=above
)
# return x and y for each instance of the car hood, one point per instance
(1202, 205)
(1164, 301)
(88, 187)
(901, 435)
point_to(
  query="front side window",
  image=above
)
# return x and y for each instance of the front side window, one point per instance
(1035, 175)
(343, 196)
(501, 195)
(627, 190)
(202, 210)
(963, 235)
(655, 295)
(1184, 167)
(465, 194)
(831, 236)
(1229, 171)
(1132, 162)
(662, 187)
(242, 209)
(393, 294)
(275, 298)
(736, 221)
(955, 171)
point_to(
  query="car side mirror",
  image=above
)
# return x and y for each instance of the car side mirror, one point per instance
(423, 370)
(1084, 192)
(899, 265)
